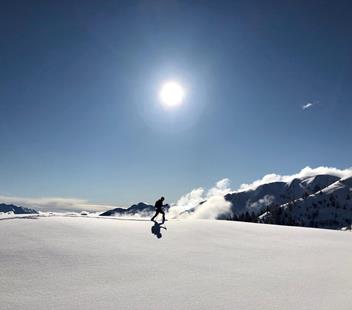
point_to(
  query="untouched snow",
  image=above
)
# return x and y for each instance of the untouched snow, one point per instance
(102, 263)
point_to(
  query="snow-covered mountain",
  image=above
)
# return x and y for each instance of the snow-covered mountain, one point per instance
(141, 209)
(314, 201)
(5, 208)
(330, 207)
(254, 200)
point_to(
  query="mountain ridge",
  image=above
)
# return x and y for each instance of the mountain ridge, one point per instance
(5, 208)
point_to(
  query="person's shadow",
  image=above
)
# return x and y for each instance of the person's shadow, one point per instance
(156, 229)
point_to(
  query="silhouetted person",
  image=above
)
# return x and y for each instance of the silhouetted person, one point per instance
(159, 209)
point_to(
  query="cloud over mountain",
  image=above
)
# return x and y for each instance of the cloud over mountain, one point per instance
(221, 200)
(305, 172)
(203, 204)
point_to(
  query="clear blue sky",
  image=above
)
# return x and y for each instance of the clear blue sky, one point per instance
(79, 82)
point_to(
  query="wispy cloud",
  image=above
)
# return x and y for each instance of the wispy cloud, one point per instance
(307, 105)
(55, 204)
(310, 104)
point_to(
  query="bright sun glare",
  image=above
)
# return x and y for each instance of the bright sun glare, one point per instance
(172, 94)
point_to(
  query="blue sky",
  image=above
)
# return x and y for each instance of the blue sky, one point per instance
(79, 82)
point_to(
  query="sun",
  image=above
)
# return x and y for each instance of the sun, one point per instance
(172, 94)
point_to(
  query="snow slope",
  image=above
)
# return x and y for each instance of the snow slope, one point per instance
(106, 263)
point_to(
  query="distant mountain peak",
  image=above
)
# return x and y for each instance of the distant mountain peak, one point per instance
(16, 209)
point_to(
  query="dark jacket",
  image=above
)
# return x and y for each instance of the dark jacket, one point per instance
(159, 204)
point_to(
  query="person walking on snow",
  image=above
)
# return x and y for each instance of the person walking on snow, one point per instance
(159, 209)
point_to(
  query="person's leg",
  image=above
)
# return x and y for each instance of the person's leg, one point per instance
(155, 215)
(163, 213)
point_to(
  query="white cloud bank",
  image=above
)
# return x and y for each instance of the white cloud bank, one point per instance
(203, 204)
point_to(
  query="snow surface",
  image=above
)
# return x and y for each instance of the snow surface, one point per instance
(106, 263)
